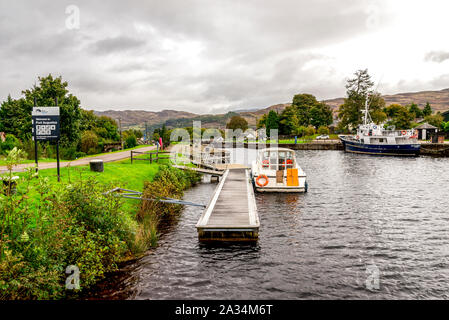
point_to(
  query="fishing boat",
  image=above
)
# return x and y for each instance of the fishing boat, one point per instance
(276, 170)
(376, 140)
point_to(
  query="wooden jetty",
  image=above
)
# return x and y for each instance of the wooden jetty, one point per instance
(232, 213)
(201, 170)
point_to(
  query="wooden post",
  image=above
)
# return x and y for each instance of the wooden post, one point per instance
(151, 157)
(131, 157)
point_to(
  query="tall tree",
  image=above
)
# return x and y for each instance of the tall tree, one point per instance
(320, 115)
(48, 89)
(413, 108)
(357, 91)
(272, 122)
(427, 111)
(302, 103)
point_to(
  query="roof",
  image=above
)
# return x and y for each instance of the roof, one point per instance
(426, 126)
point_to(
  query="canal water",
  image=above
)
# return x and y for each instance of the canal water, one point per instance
(369, 228)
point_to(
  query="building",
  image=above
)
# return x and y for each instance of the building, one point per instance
(426, 131)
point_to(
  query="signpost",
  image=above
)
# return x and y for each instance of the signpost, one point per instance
(46, 127)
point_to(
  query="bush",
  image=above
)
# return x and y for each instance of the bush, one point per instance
(75, 225)
(10, 142)
(323, 130)
(68, 153)
(310, 131)
(130, 141)
(89, 141)
(168, 182)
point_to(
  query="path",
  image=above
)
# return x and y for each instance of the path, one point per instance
(108, 157)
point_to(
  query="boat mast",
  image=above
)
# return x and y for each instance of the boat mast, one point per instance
(366, 116)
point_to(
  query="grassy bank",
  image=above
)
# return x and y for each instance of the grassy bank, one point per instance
(47, 226)
(3, 161)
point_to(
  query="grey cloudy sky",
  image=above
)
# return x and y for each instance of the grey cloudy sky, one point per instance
(218, 55)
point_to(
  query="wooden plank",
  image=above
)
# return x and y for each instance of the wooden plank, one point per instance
(200, 170)
(232, 213)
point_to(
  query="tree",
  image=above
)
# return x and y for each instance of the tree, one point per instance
(302, 103)
(393, 110)
(15, 115)
(357, 91)
(272, 122)
(413, 108)
(288, 120)
(237, 122)
(427, 111)
(320, 115)
(401, 118)
(261, 123)
(436, 120)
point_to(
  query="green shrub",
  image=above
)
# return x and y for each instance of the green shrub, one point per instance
(10, 142)
(130, 141)
(89, 141)
(73, 224)
(323, 130)
(168, 182)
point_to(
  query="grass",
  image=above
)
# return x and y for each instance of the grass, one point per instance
(3, 162)
(119, 174)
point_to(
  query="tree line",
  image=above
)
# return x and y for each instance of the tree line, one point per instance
(82, 132)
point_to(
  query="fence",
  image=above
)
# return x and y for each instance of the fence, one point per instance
(152, 156)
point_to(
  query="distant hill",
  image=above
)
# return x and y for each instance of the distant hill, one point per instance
(132, 118)
(439, 100)
(171, 118)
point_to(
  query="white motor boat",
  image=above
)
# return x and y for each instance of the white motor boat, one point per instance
(276, 170)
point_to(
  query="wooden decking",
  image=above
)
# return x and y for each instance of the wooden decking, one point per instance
(232, 213)
(201, 170)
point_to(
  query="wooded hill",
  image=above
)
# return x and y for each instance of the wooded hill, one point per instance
(439, 101)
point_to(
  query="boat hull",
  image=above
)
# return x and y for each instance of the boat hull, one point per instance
(411, 150)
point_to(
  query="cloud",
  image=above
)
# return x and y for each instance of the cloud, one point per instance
(116, 44)
(202, 56)
(437, 56)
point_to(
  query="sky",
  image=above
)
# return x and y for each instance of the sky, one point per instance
(213, 56)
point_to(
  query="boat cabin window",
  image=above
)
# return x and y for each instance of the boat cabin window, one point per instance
(277, 160)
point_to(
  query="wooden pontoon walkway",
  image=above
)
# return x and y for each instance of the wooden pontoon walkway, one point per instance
(232, 213)
(201, 170)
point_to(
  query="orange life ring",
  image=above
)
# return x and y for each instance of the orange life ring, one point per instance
(264, 177)
(404, 132)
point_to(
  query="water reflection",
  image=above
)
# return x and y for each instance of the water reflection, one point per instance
(361, 213)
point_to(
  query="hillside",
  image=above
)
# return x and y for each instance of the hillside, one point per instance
(438, 99)
(137, 118)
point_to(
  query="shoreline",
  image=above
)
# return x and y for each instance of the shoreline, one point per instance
(427, 148)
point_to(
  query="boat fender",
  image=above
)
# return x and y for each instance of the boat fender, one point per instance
(262, 176)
